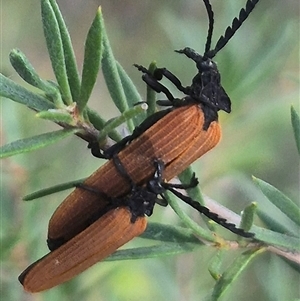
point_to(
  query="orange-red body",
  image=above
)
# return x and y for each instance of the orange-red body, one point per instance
(178, 139)
(93, 244)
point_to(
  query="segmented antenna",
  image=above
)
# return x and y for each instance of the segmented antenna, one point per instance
(231, 30)
(211, 215)
(210, 15)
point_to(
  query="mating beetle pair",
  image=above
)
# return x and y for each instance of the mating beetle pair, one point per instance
(108, 209)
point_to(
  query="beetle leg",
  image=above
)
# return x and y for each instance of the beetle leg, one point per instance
(158, 178)
(95, 150)
(120, 168)
(152, 80)
(160, 72)
(192, 184)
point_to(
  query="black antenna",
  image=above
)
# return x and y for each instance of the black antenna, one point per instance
(210, 15)
(231, 30)
(211, 215)
(206, 89)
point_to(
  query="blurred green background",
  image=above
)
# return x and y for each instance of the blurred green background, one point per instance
(260, 69)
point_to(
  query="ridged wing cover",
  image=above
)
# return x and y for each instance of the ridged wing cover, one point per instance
(91, 245)
(178, 139)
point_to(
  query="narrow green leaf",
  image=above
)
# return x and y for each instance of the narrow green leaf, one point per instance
(17, 93)
(51, 190)
(27, 72)
(69, 56)
(169, 233)
(286, 205)
(129, 114)
(248, 217)
(113, 80)
(55, 49)
(296, 127)
(228, 277)
(34, 143)
(285, 241)
(56, 116)
(216, 263)
(98, 122)
(132, 95)
(187, 220)
(92, 60)
(167, 249)
(274, 225)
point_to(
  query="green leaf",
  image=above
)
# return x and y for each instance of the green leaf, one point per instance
(56, 116)
(27, 72)
(167, 249)
(92, 60)
(175, 240)
(132, 95)
(169, 233)
(228, 277)
(216, 263)
(55, 49)
(69, 56)
(113, 80)
(286, 205)
(274, 225)
(53, 189)
(129, 114)
(285, 241)
(98, 122)
(17, 93)
(34, 143)
(248, 217)
(187, 220)
(296, 127)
